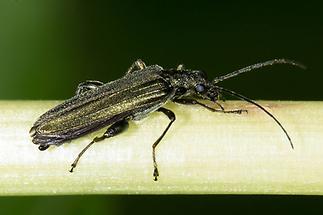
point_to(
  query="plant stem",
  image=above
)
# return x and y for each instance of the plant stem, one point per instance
(203, 153)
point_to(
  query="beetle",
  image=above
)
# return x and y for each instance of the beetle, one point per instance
(142, 90)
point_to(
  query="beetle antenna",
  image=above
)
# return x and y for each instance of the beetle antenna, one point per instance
(257, 66)
(259, 106)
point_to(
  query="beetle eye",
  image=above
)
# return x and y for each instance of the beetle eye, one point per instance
(199, 88)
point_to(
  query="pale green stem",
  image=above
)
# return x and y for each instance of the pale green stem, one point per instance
(203, 153)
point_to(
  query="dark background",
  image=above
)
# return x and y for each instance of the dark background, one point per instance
(48, 47)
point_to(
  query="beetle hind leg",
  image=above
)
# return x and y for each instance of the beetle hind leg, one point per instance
(113, 130)
(87, 85)
(180, 67)
(137, 65)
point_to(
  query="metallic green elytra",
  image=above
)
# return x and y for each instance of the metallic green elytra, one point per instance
(142, 90)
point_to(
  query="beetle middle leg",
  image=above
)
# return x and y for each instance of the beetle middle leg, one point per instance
(87, 85)
(195, 102)
(113, 130)
(137, 65)
(172, 118)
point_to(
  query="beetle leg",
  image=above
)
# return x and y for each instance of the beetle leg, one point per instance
(113, 130)
(194, 102)
(43, 147)
(180, 67)
(137, 65)
(171, 117)
(87, 85)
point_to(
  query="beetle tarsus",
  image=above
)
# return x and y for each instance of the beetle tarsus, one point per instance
(238, 111)
(187, 101)
(73, 166)
(156, 173)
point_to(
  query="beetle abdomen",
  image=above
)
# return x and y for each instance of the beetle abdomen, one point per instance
(133, 96)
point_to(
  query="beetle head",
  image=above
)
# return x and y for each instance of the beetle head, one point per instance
(206, 91)
(199, 87)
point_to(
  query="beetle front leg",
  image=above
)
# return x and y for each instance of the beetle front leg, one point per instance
(195, 102)
(172, 118)
(113, 130)
(88, 85)
(137, 65)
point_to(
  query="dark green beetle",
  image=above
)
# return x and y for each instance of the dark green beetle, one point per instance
(142, 90)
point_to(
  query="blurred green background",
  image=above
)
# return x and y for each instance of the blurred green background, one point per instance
(48, 47)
